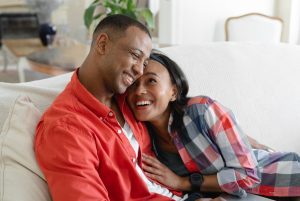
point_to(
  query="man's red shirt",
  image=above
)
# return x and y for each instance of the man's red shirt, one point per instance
(83, 152)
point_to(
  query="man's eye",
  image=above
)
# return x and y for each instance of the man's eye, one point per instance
(136, 56)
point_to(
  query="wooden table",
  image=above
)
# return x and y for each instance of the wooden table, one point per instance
(23, 47)
(58, 60)
(52, 61)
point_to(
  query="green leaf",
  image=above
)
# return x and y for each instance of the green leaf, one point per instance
(112, 6)
(96, 3)
(88, 16)
(130, 13)
(89, 13)
(98, 16)
(125, 7)
(131, 5)
(147, 16)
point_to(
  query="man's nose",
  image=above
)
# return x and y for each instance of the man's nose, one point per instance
(138, 69)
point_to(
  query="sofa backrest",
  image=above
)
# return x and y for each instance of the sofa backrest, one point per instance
(21, 107)
(259, 82)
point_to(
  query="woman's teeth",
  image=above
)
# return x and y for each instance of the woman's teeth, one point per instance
(143, 103)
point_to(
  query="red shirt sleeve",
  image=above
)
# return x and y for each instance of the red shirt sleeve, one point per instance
(68, 158)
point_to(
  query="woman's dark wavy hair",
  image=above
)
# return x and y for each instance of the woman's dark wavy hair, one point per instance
(179, 79)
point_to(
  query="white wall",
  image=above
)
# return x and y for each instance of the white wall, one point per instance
(69, 19)
(289, 12)
(190, 21)
(195, 21)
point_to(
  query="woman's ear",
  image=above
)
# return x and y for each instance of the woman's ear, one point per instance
(174, 93)
(101, 43)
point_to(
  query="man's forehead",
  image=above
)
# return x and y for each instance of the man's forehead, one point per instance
(138, 42)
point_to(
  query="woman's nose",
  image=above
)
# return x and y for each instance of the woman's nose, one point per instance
(140, 89)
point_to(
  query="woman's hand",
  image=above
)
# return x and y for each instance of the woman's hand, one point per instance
(256, 145)
(157, 171)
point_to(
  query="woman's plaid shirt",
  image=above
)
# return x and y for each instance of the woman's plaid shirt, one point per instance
(211, 142)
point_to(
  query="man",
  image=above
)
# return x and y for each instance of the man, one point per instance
(87, 143)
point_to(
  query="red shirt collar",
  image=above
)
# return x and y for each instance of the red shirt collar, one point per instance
(85, 97)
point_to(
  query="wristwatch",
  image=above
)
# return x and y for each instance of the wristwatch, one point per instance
(196, 180)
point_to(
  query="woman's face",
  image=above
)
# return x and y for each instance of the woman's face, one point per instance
(150, 95)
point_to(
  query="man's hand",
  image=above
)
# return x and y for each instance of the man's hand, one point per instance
(157, 171)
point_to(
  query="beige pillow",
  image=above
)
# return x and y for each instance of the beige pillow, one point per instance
(20, 176)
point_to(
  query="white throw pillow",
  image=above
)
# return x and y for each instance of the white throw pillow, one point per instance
(20, 176)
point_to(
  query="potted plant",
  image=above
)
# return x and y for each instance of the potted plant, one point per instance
(99, 9)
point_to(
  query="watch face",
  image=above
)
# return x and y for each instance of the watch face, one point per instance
(196, 176)
(196, 180)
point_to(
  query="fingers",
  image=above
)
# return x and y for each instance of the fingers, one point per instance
(153, 173)
(152, 167)
(269, 149)
(152, 170)
(153, 162)
(154, 176)
(150, 160)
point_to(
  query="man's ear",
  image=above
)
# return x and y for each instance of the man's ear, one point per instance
(101, 43)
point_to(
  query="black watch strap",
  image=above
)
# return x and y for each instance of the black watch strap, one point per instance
(196, 180)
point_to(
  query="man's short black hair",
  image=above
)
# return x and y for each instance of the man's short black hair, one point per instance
(118, 24)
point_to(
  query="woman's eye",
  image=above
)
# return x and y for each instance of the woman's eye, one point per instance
(152, 81)
(133, 86)
(145, 64)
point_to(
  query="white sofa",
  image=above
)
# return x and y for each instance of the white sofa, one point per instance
(259, 82)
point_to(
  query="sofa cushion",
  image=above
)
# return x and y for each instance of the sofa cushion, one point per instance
(21, 178)
(258, 82)
(41, 92)
(6, 102)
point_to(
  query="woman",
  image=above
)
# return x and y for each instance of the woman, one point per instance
(200, 141)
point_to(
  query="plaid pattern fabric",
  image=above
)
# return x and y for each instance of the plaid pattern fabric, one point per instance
(211, 142)
(280, 173)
